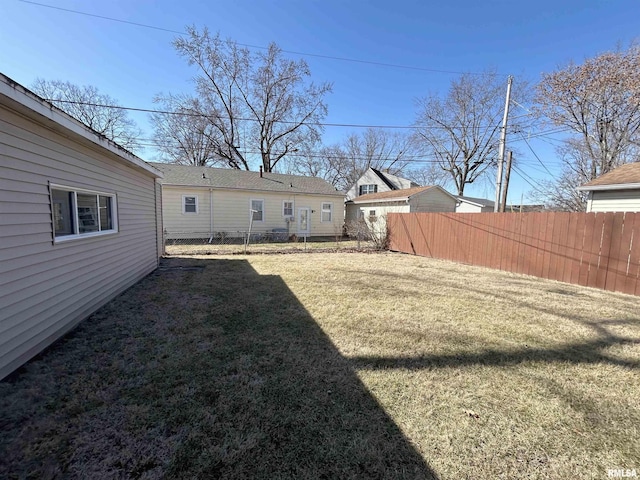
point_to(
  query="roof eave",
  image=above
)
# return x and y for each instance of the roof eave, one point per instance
(382, 200)
(297, 192)
(39, 109)
(615, 186)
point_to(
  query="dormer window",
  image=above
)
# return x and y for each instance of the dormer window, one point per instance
(364, 189)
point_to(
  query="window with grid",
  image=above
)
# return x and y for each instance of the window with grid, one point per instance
(287, 209)
(364, 189)
(189, 204)
(326, 214)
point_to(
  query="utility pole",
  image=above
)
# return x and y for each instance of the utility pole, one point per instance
(503, 140)
(507, 174)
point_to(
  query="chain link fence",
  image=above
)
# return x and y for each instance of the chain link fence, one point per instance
(225, 243)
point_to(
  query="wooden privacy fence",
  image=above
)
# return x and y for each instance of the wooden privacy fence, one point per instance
(599, 250)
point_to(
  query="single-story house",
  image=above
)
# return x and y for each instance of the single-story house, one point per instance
(378, 181)
(79, 223)
(374, 207)
(474, 205)
(205, 202)
(615, 191)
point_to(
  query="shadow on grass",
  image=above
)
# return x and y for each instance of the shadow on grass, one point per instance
(589, 352)
(199, 373)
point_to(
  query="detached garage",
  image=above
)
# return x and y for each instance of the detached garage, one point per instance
(80, 222)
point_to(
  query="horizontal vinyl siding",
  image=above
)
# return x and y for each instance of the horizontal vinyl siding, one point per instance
(47, 288)
(433, 200)
(616, 201)
(368, 178)
(231, 212)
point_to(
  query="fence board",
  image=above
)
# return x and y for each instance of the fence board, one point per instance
(615, 253)
(598, 250)
(576, 255)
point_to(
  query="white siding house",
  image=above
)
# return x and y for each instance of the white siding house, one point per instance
(616, 191)
(78, 223)
(473, 205)
(201, 202)
(373, 208)
(377, 181)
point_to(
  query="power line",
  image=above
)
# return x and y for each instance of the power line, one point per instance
(327, 57)
(194, 114)
(524, 176)
(536, 155)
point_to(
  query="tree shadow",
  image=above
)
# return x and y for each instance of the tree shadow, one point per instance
(588, 352)
(200, 373)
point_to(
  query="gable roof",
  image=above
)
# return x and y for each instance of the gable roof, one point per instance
(382, 176)
(402, 195)
(481, 202)
(22, 100)
(621, 178)
(187, 175)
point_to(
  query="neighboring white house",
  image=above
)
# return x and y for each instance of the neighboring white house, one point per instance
(474, 205)
(201, 202)
(374, 207)
(80, 223)
(377, 181)
(616, 191)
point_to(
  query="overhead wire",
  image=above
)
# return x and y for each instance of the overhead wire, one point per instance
(306, 54)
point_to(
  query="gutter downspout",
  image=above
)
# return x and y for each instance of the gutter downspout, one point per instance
(210, 215)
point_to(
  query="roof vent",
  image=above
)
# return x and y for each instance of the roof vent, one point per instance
(203, 175)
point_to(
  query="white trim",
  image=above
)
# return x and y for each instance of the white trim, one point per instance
(322, 211)
(299, 231)
(76, 221)
(251, 200)
(615, 186)
(403, 198)
(254, 190)
(381, 200)
(477, 204)
(293, 209)
(184, 210)
(30, 100)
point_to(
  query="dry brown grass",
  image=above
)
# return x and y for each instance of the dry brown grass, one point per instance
(334, 365)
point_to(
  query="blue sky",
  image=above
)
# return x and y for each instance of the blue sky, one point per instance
(132, 63)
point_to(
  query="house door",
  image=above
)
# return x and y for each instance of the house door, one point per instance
(304, 222)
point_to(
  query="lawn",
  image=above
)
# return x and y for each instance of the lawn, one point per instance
(343, 365)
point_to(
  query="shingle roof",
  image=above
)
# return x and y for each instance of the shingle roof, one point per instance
(392, 195)
(628, 174)
(242, 180)
(383, 177)
(478, 201)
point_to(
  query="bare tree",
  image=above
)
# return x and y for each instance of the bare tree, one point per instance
(88, 105)
(329, 163)
(344, 163)
(182, 135)
(461, 131)
(429, 174)
(599, 101)
(257, 103)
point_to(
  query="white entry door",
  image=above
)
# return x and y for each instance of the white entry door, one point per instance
(304, 222)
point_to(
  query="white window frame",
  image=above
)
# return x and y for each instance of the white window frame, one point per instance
(326, 210)
(75, 216)
(293, 209)
(184, 205)
(375, 189)
(261, 200)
